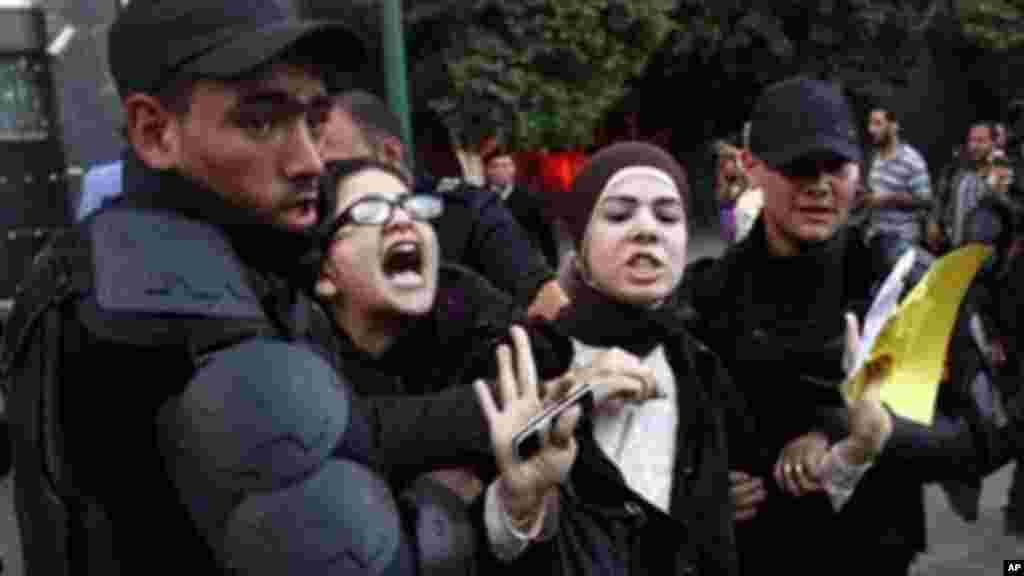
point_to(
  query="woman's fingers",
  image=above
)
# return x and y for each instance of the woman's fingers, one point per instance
(747, 494)
(565, 427)
(648, 383)
(507, 386)
(875, 375)
(526, 368)
(802, 478)
(554, 390)
(852, 341)
(630, 387)
(747, 491)
(780, 480)
(483, 395)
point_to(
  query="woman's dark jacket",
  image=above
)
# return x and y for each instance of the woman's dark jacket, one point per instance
(604, 526)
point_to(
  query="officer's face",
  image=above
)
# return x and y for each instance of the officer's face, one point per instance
(387, 269)
(254, 143)
(806, 201)
(634, 248)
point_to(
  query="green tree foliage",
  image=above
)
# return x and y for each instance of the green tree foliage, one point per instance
(857, 41)
(993, 24)
(547, 70)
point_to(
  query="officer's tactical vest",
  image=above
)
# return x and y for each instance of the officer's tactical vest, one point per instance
(147, 279)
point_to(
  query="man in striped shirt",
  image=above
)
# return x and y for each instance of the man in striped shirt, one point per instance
(899, 189)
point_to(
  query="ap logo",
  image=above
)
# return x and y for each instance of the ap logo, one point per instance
(1013, 567)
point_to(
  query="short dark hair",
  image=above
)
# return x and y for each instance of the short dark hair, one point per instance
(175, 94)
(983, 124)
(370, 114)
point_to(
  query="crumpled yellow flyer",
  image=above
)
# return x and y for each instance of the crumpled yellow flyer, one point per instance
(915, 335)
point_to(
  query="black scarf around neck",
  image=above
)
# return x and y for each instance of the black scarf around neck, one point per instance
(597, 320)
(284, 254)
(803, 294)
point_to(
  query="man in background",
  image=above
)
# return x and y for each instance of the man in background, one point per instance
(528, 209)
(967, 186)
(898, 189)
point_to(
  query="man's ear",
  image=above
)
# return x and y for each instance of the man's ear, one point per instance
(392, 152)
(746, 159)
(325, 289)
(751, 166)
(152, 131)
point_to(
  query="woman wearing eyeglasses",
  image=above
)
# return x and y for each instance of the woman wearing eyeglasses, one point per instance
(409, 325)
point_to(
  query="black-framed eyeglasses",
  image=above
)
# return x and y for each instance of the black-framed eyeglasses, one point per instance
(378, 210)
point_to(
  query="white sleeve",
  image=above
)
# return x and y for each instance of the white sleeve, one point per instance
(506, 542)
(841, 478)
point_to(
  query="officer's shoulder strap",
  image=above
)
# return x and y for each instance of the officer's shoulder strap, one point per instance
(143, 278)
(159, 263)
(160, 279)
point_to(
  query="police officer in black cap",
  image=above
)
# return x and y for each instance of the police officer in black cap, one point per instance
(173, 400)
(773, 308)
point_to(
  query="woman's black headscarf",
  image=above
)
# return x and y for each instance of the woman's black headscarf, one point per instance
(593, 317)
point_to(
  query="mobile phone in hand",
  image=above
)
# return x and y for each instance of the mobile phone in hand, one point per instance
(527, 442)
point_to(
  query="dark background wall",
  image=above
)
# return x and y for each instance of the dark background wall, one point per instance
(89, 110)
(33, 168)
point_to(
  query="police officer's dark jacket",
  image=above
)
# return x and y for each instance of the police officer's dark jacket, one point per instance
(114, 314)
(117, 317)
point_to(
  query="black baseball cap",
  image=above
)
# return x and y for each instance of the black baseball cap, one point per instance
(153, 42)
(801, 116)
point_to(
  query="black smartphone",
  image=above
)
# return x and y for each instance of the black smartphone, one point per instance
(527, 441)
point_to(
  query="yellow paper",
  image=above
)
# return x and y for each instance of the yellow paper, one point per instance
(917, 335)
